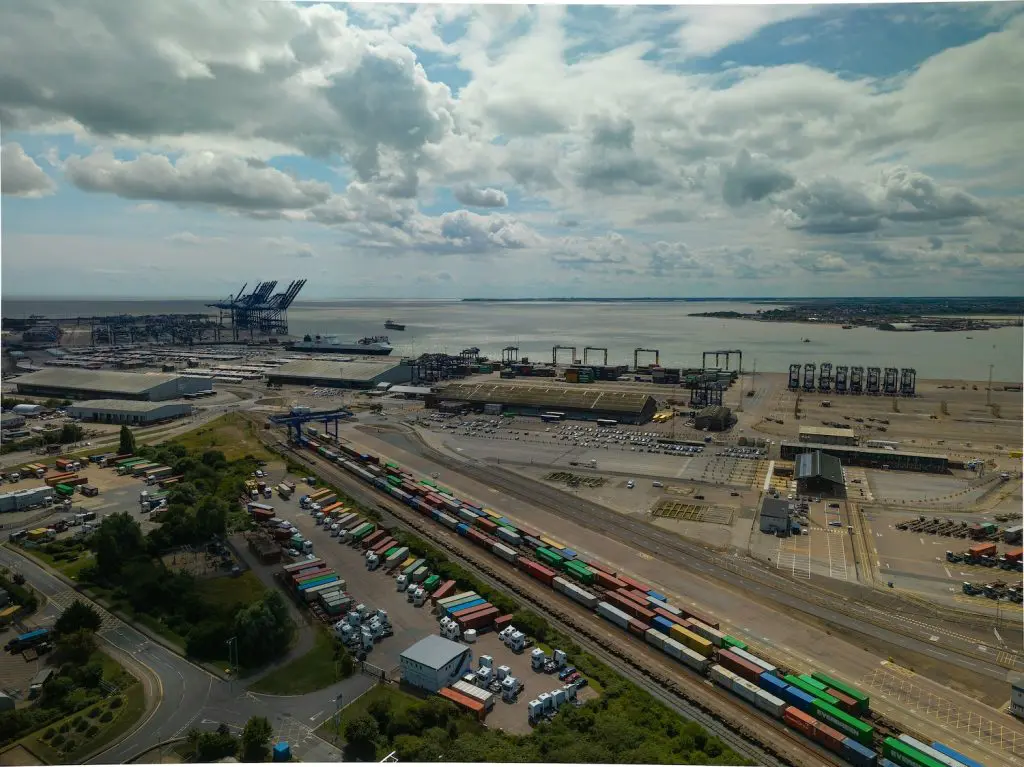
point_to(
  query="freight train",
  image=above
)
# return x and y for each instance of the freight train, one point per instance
(822, 708)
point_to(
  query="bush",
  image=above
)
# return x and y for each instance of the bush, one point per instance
(93, 713)
(107, 716)
(92, 732)
(116, 702)
(69, 746)
(50, 732)
(65, 727)
(81, 726)
(58, 740)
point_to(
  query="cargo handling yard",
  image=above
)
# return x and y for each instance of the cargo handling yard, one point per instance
(766, 688)
(818, 566)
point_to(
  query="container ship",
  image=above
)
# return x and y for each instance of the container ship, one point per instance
(378, 345)
(392, 325)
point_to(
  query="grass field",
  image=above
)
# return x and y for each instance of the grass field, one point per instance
(70, 568)
(232, 434)
(313, 671)
(226, 592)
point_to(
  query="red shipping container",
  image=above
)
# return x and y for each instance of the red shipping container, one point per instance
(636, 627)
(262, 515)
(633, 584)
(629, 607)
(637, 596)
(470, 610)
(503, 621)
(384, 545)
(372, 539)
(311, 573)
(798, 720)
(598, 566)
(280, 534)
(464, 701)
(524, 530)
(606, 581)
(706, 620)
(670, 617)
(983, 550)
(486, 524)
(478, 620)
(738, 666)
(444, 590)
(846, 703)
(541, 573)
(829, 738)
(1014, 555)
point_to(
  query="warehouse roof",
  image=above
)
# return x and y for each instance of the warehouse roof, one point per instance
(344, 369)
(819, 464)
(599, 400)
(715, 411)
(776, 508)
(96, 380)
(861, 450)
(124, 405)
(824, 431)
(434, 651)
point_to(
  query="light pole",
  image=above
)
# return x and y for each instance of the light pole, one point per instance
(337, 714)
(232, 644)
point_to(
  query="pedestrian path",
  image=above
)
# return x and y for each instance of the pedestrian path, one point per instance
(64, 599)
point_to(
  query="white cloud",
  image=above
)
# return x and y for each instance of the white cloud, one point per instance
(707, 30)
(481, 198)
(20, 176)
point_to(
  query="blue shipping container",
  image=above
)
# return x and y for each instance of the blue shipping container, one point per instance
(465, 605)
(772, 684)
(656, 595)
(664, 625)
(797, 698)
(886, 763)
(858, 755)
(568, 554)
(461, 529)
(947, 751)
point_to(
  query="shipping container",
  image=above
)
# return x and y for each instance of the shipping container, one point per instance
(771, 683)
(612, 613)
(535, 570)
(863, 701)
(462, 595)
(467, 608)
(636, 628)
(471, 705)
(765, 665)
(606, 581)
(846, 703)
(505, 552)
(712, 635)
(478, 620)
(628, 606)
(930, 752)
(413, 567)
(744, 668)
(799, 721)
(675, 619)
(843, 722)
(798, 698)
(574, 592)
(955, 755)
(902, 754)
(829, 737)
(707, 620)
(634, 584)
(593, 564)
(859, 755)
(729, 642)
(373, 538)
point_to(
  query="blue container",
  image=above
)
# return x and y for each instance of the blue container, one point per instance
(858, 755)
(664, 625)
(462, 529)
(656, 595)
(568, 554)
(797, 698)
(435, 515)
(772, 684)
(532, 542)
(380, 483)
(947, 751)
(886, 763)
(465, 605)
(282, 753)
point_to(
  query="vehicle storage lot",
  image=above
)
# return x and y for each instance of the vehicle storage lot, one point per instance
(374, 589)
(511, 717)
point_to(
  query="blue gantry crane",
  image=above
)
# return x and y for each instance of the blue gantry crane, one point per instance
(299, 416)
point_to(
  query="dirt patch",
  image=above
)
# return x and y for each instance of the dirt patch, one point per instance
(19, 755)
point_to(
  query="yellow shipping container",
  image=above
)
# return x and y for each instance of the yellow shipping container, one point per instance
(696, 643)
(551, 544)
(8, 613)
(408, 562)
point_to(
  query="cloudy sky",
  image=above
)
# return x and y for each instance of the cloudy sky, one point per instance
(181, 148)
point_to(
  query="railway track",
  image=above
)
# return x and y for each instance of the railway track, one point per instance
(843, 611)
(695, 698)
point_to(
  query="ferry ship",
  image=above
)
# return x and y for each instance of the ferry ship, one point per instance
(379, 345)
(392, 325)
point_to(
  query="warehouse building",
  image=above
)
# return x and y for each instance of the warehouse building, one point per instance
(11, 422)
(713, 418)
(127, 411)
(776, 516)
(819, 473)
(435, 662)
(863, 456)
(822, 435)
(574, 402)
(365, 373)
(65, 383)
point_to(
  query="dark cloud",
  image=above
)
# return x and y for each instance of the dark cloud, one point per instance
(751, 180)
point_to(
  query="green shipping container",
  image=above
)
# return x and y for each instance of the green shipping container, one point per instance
(390, 551)
(65, 490)
(363, 533)
(811, 690)
(863, 701)
(432, 581)
(843, 722)
(899, 752)
(550, 557)
(729, 641)
(814, 682)
(413, 567)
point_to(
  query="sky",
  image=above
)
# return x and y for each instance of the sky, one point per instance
(182, 148)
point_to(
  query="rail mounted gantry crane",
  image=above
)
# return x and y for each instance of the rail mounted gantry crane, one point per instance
(595, 349)
(295, 420)
(558, 347)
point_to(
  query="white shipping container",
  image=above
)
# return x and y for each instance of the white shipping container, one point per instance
(447, 521)
(613, 614)
(664, 606)
(758, 697)
(722, 676)
(755, 660)
(475, 692)
(712, 635)
(575, 593)
(508, 536)
(466, 515)
(448, 600)
(504, 552)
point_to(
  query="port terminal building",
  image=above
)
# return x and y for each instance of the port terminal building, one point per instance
(869, 457)
(434, 663)
(343, 373)
(823, 435)
(713, 418)
(575, 403)
(819, 473)
(126, 411)
(110, 384)
(776, 516)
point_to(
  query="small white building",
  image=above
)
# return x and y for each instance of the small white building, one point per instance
(1017, 696)
(435, 662)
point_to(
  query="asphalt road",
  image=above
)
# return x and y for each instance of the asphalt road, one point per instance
(908, 633)
(188, 696)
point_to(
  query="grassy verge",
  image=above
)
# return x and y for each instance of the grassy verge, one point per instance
(232, 434)
(317, 669)
(70, 568)
(69, 740)
(229, 592)
(400, 700)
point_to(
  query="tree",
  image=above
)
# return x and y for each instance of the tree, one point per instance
(361, 739)
(78, 616)
(127, 446)
(76, 647)
(255, 739)
(118, 541)
(212, 746)
(264, 629)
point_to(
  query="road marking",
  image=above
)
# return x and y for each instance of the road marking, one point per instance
(948, 573)
(315, 715)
